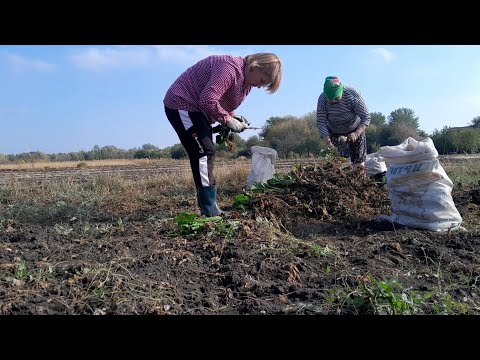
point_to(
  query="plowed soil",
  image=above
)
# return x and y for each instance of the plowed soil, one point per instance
(312, 247)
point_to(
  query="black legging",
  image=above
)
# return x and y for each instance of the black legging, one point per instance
(201, 153)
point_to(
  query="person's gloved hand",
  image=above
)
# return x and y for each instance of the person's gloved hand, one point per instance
(242, 119)
(236, 125)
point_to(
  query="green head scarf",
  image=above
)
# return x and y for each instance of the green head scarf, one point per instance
(332, 87)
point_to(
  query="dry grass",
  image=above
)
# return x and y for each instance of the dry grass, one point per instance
(90, 164)
(57, 200)
(110, 245)
(463, 173)
(22, 165)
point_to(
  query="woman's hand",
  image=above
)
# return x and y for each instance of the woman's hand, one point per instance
(328, 143)
(352, 137)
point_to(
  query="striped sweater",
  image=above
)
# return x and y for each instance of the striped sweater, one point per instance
(343, 117)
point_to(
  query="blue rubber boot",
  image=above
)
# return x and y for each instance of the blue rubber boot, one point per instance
(207, 199)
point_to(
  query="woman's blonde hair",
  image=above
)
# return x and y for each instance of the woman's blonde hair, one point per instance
(271, 67)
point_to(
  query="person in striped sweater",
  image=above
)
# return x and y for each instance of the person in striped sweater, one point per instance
(208, 92)
(342, 115)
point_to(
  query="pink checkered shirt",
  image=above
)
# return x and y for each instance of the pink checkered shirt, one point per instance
(214, 85)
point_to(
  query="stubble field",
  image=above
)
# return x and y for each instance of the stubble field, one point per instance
(107, 240)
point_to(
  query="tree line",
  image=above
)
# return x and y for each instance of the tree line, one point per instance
(292, 137)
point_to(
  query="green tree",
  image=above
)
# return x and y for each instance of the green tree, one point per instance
(377, 132)
(95, 153)
(149, 151)
(149, 147)
(295, 137)
(274, 121)
(404, 116)
(466, 140)
(311, 118)
(110, 152)
(377, 119)
(239, 141)
(253, 141)
(399, 132)
(311, 143)
(33, 157)
(443, 140)
(374, 136)
(476, 122)
(177, 151)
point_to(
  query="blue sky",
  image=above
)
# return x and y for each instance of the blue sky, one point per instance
(65, 98)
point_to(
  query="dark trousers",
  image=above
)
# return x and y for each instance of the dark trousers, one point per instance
(357, 150)
(190, 125)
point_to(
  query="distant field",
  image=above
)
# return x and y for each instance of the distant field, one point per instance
(142, 168)
(89, 164)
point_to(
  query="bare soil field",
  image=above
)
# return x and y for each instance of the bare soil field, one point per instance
(108, 241)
